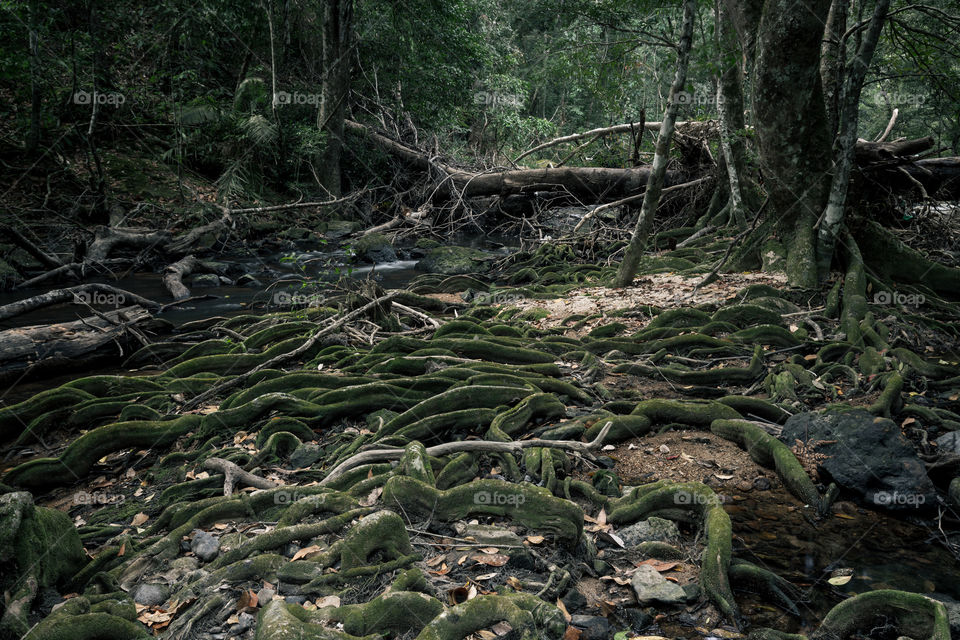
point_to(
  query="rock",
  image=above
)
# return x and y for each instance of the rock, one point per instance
(487, 534)
(594, 627)
(305, 455)
(152, 595)
(649, 530)
(247, 280)
(653, 588)
(574, 601)
(427, 244)
(692, 590)
(265, 595)
(375, 248)
(869, 457)
(949, 442)
(205, 280)
(204, 546)
(453, 261)
(336, 229)
(295, 599)
(637, 619)
(953, 611)
(180, 567)
(295, 233)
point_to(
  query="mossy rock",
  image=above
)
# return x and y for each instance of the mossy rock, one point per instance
(375, 248)
(454, 261)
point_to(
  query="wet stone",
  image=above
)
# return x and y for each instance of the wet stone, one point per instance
(649, 530)
(651, 587)
(204, 546)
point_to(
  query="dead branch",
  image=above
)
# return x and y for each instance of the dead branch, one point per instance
(231, 473)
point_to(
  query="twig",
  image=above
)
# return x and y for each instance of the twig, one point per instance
(231, 473)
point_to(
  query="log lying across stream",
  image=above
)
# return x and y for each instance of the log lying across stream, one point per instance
(40, 349)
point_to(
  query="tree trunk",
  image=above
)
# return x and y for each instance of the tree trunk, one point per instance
(651, 198)
(33, 139)
(790, 123)
(730, 109)
(832, 61)
(337, 51)
(844, 153)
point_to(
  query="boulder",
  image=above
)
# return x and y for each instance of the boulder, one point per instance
(867, 455)
(453, 261)
(649, 530)
(653, 588)
(375, 248)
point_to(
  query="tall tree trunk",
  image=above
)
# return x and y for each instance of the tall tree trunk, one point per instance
(790, 123)
(832, 60)
(651, 197)
(337, 46)
(730, 109)
(847, 138)
(33, 139)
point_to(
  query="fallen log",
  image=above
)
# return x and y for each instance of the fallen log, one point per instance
(92, 293)
(173, 276)
(41, 349)
(596, 183)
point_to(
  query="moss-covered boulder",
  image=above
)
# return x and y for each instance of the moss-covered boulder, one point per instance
(375, 248)
(453, 260)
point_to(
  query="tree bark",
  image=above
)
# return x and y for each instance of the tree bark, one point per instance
(651, 198)
(845, 151)
(337, 48)
(40, 349)
(730, 109)
(790, 123)
(832, 61)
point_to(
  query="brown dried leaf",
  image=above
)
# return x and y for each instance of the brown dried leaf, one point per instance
(307, 552)
(493, 560)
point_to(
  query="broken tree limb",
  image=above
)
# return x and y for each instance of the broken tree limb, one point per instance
(596, 183)
(634, 198)
(73, 269)
(21, 241)
(695, 127)
(82, 294)
(107, 239)
(173, 276)
(470, 446)
(232, 473)
(36, 350)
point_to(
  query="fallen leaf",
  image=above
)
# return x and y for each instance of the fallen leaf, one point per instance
(535, 539)
(248, 601)
(572, 633)
(492, 560)
(435, 560)
(514, 584)
(563, 610)
(486, 576)
(839, 581)
(442, 571)
(139, 519)
(489, 549)
(307, 552)
(371, 498)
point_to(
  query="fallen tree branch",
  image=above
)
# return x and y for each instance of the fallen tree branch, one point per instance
(231, 473)
(20, 240)
(470, 446)
(634, 198)
(605, 131)
(81, 293)
(174, 274)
